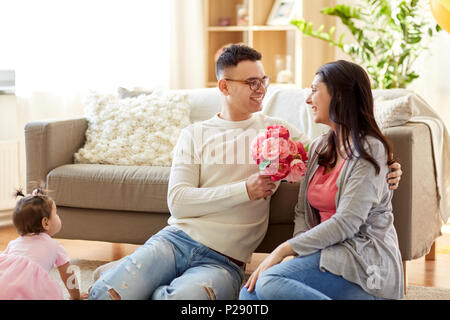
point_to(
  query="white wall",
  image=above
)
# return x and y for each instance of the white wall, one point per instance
(14, 176)
(434, 81)
(9, 129)
(62, 49)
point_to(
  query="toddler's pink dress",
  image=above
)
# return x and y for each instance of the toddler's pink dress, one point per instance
(25, 267)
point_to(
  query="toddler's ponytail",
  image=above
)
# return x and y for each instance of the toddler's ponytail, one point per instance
(18, 193)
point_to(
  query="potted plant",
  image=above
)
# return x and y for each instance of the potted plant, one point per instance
(388, 37)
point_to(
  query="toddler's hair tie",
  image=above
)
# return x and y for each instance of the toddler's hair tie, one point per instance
(19, 193)
(37, 192)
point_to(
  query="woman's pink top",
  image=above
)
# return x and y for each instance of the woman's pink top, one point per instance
(322, 191)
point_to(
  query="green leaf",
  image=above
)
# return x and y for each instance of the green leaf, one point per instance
(385, 41)
(331, 31)
(413, 40)
(263, 164)
(320, 28)
(340, 38)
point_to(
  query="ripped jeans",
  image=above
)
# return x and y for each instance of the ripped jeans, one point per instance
(171, 265)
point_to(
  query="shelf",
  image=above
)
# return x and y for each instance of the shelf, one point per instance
(274, 28)
(253, 28)
(279, 45)
(228, 28)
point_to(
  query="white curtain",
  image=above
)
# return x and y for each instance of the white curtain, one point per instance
(187, 63)
(61, 50)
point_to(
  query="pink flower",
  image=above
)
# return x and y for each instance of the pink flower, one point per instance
(256, 147)
(270, 150)
(277, 131)
(292, 147)
(277, 170)
(284, 148)
(271, 169)
(302, 151)
(273, 148)
(297, 170)
(279, 156)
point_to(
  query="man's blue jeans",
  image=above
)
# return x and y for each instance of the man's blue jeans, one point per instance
(301, 279)
(171, 265)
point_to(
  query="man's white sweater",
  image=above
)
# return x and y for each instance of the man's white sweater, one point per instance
(207, 194)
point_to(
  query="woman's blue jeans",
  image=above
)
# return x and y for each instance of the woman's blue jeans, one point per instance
(301, 279)
(171, 265)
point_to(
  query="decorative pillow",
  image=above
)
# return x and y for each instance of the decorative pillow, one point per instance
(133, 131)
(392, 112)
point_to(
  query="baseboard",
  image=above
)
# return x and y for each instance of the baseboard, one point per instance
(6, 218)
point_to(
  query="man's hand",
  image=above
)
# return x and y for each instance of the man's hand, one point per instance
(259, 186)
(393, 177)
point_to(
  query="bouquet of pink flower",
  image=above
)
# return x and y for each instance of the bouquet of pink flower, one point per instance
(278, 155)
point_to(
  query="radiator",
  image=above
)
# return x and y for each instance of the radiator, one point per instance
(9, 173)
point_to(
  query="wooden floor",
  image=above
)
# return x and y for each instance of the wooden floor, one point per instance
(420, 272)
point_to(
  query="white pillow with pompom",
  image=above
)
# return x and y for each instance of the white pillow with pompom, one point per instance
(141, 130)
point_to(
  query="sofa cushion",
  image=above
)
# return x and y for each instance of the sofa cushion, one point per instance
(99, 186)
(282, 203)
(392, 112)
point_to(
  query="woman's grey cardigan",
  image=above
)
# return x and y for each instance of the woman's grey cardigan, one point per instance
(359, 242)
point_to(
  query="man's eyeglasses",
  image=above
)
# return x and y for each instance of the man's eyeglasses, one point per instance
(254, 84)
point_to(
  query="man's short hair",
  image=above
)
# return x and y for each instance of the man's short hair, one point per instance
(234, 54)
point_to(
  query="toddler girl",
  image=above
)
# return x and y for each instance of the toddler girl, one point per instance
(27, 260)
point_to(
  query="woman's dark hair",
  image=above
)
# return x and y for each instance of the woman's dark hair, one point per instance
(30, 210)
(351, 108)
(234, 54)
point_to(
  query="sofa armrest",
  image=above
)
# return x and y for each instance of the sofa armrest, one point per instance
(50, 144)
(415, 202)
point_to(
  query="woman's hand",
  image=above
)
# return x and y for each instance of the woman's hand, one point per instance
(393, 178)
(272, 259)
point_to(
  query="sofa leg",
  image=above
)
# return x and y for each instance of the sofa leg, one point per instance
(405, 278)
(431, 256)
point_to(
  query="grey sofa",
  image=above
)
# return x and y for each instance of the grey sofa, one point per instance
(128, 203)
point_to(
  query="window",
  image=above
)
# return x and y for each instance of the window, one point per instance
(7, 81)
(64, 45)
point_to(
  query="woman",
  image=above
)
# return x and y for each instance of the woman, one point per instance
(344, 243)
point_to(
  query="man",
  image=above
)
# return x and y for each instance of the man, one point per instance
(216, 198)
